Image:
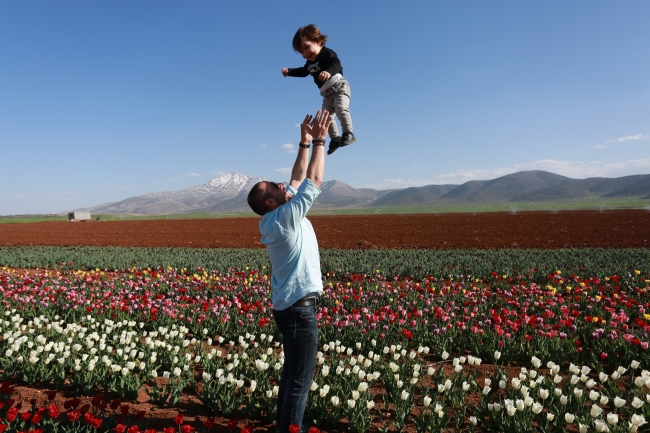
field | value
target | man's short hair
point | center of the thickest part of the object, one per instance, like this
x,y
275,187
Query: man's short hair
x,y
256,199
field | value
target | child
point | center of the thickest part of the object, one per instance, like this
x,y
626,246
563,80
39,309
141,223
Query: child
x,y
324,65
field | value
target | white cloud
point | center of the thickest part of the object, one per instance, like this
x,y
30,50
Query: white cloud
x,y
289,148
629,138
263,145
572,169
600,146
192,175
285,170
219,173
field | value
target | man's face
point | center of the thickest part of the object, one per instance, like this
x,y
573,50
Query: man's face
x,y
310,50
277,192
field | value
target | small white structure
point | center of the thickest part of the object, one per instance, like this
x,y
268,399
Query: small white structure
x,y
79,216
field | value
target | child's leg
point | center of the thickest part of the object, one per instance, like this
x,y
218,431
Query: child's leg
x,y
329,105
342,105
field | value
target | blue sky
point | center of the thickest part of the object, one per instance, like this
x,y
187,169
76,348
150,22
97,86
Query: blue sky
x,y
104,100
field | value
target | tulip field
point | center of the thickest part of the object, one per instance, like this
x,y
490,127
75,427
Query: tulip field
x,y
110,339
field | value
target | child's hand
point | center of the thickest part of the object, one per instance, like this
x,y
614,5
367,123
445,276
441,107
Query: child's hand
x,y
285,72
324,76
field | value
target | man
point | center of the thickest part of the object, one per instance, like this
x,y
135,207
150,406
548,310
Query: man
x,y
293,251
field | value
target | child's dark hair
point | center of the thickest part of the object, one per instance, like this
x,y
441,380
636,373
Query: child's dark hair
x,y
309,33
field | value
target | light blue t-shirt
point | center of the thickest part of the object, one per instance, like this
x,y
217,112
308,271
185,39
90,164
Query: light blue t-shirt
x,y
293,249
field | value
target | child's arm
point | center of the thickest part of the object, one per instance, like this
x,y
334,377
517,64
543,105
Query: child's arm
x,y
295,72
331,64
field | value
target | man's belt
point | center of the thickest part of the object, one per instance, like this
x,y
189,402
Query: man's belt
x,y
306,302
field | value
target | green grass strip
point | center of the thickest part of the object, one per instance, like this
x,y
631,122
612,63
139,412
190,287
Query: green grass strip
x,y
585,262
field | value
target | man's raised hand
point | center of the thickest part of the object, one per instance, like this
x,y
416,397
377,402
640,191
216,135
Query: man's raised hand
x,y
320,124
306,130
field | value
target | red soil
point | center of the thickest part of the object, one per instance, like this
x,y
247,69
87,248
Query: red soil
x,y
614,229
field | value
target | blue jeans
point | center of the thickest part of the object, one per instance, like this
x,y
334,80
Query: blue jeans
x,y
300,339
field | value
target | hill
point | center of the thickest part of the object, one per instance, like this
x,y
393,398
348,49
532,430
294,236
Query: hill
x,y
228,194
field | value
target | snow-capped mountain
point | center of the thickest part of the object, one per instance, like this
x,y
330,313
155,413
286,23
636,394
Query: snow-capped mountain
x,y
229,191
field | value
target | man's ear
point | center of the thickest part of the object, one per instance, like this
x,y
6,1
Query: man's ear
x,y
271,203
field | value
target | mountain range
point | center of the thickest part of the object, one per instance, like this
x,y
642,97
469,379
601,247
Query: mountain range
x,y
228,193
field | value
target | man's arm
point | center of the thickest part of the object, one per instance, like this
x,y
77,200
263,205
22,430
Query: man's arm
x,y
300,166
316,166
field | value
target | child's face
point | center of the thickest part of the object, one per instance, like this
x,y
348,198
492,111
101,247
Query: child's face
x,y
310,50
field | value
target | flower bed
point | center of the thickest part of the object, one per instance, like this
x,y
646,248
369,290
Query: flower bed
x,y
395,352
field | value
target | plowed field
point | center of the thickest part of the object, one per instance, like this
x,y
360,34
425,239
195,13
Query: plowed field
x,y
616,229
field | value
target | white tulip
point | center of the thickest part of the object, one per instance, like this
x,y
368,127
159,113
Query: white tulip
x,y
335,401
612,418
520,405
619,402
405,395
427,401
568,417
595,411
537,408
638,420
600,425
582,428
637,402
550,416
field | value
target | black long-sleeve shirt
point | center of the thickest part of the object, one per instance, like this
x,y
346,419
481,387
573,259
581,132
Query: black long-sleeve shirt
x,y
327,60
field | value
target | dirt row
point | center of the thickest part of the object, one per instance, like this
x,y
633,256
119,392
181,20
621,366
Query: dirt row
x,y
565,229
